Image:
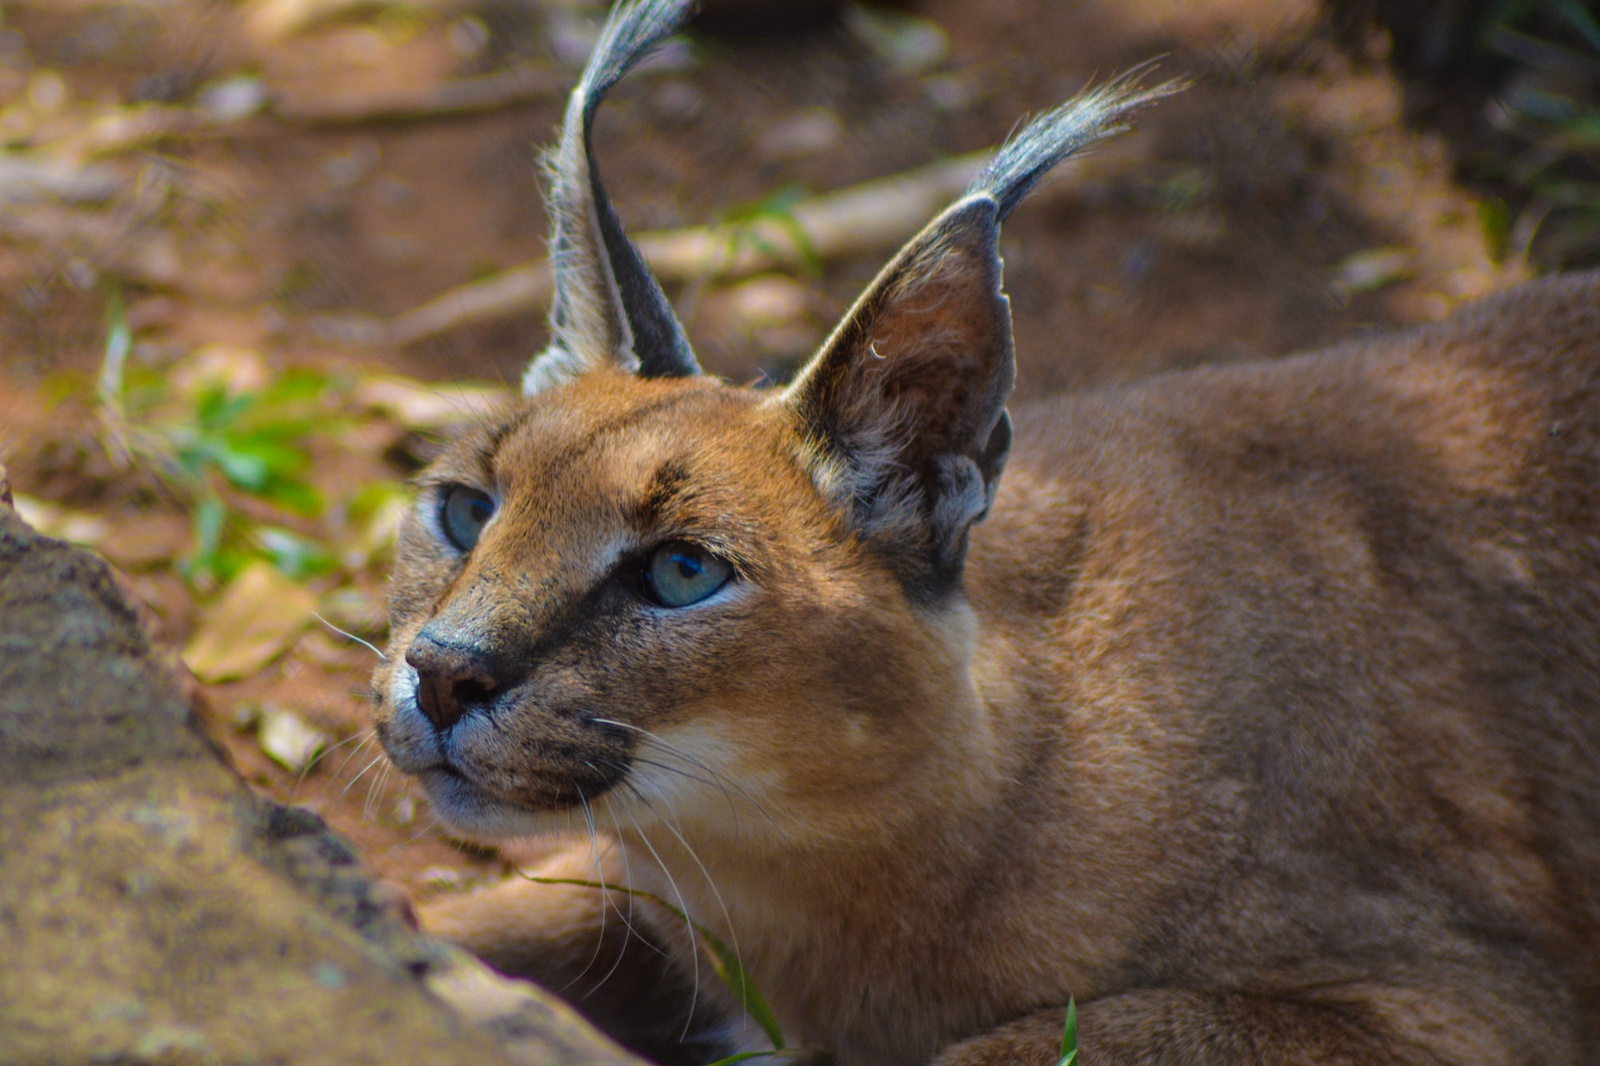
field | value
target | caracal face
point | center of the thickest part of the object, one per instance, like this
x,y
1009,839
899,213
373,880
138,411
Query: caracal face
x,y
543,666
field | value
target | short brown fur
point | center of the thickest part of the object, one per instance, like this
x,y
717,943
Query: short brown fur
x,y
1279,689
1260,712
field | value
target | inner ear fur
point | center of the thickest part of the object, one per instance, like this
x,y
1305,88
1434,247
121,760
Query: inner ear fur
x,y
904,407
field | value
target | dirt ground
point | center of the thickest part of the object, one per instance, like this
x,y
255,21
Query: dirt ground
x,y
1277,204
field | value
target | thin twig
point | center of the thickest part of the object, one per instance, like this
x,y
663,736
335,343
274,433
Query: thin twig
x,y
873,216
877,214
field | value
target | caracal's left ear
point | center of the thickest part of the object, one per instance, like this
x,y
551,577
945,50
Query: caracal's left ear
x,y
904,407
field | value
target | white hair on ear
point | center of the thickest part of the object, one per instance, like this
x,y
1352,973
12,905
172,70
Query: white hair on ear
x,y
552,367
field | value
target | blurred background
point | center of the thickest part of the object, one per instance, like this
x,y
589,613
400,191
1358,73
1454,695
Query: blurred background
x,y
257,256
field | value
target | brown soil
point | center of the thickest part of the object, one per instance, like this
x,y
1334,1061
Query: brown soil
x,y
1277,204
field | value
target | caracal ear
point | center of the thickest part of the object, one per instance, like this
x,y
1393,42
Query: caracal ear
x,y
904,407
608,307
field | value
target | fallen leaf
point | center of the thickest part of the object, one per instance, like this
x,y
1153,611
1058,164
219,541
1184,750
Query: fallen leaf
x,y
274,21
1373,269
288,739
234,98
64,523
237,369
373,522
257,619
444,877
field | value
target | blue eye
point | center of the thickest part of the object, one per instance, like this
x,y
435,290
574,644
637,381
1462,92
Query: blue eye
x,y
680,574
463,514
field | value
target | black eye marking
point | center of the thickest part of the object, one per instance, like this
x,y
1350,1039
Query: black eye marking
x,y
463,512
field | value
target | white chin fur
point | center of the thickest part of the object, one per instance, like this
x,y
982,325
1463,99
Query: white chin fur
x,y
472,814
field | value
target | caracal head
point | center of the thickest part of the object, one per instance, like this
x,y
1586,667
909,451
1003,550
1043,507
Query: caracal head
x,y
632,591
646,594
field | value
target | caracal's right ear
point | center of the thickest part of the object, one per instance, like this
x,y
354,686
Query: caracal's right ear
x,y
608,307
904,407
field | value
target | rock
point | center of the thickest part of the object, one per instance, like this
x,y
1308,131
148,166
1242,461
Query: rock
x,y
153,910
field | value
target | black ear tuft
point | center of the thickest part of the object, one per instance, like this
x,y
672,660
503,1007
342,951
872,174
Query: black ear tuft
x,y
608,306
904,407
1045,142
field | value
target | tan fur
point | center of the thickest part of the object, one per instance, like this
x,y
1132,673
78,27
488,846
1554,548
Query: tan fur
x,y
1257,711
1270,721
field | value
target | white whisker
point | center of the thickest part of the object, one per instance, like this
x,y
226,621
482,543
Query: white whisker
x,y
358,739
433,823
366,738
683,905
376,759
694,856
605,892
375,792
717,779
351,636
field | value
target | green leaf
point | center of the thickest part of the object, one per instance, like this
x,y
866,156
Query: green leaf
x,y
294,496
295,556
210,516
248,472
374,498
215,410
295,385
725,962
1069,1036
775,210
280,459
119,342
1494,220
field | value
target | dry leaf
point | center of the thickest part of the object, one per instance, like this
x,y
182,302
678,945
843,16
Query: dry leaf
x,y
64,523
274,21
1373,269
288,739
257,619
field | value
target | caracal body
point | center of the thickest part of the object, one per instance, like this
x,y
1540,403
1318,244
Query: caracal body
x,y
1257,710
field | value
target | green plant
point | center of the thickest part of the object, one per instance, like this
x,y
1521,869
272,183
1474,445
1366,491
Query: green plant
x,y
1069,1036
724,962
752,225
1550,108
237,457
726,965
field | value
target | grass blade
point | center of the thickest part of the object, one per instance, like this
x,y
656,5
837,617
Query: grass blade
x,y
724,960
1069,1036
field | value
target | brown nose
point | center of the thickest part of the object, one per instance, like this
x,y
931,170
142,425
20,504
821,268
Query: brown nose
x,y
453,677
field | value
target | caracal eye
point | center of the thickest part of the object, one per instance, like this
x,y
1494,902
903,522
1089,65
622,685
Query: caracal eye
x,y
680,573
464,513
